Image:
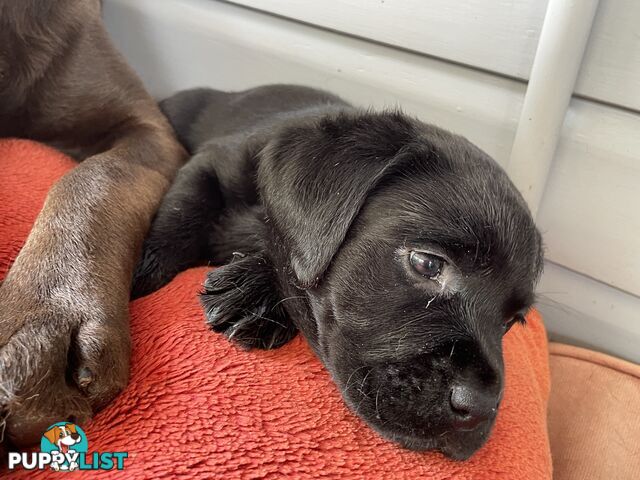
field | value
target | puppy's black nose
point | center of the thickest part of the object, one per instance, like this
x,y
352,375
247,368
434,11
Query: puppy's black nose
x,y
471,406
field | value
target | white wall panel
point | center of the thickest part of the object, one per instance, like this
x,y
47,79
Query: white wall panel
x,y
579,310
185,43
499,36
590,214
611,66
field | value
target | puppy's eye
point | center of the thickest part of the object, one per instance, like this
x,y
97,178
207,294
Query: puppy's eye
x,y
426,264
517,318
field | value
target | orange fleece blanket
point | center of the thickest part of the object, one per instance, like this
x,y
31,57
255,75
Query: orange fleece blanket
x,y
197,407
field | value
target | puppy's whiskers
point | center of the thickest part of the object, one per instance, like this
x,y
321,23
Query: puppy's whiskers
x,y
362,383
364,394
261,317
288,298
377,409
350,376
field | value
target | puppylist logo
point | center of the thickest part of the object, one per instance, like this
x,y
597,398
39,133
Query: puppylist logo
x,y
64,448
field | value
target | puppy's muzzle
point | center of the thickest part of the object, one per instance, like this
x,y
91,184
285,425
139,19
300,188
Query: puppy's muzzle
x,y
432,395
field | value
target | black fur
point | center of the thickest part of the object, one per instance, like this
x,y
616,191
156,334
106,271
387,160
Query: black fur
x,y
314,208
239,301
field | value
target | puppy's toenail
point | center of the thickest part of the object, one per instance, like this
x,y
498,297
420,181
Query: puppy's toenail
x,y
85,377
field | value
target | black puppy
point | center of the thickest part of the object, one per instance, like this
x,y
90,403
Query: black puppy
x,y
402,252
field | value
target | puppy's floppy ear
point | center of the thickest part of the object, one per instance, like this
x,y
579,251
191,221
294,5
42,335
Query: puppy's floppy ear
x,y
315,178
53,434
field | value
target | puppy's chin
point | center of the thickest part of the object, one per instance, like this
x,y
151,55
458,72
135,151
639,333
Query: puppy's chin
x,y
457,445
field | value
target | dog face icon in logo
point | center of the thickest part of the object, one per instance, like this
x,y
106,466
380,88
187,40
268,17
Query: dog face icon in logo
x,y
65,442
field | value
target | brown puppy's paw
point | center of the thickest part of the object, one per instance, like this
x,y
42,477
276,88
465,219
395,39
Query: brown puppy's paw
x,y
57,362
240,301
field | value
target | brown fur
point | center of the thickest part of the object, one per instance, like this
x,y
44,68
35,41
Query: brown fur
x,y
64,339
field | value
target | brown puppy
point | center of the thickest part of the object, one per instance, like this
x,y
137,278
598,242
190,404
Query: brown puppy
x,y
64,339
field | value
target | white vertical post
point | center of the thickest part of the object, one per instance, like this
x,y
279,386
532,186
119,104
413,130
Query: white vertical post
x,y
564,35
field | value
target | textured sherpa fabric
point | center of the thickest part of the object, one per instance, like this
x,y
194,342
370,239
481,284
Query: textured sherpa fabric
x,y
196,407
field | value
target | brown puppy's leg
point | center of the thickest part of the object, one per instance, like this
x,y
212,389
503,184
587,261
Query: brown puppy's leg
x,y
64,333
64,337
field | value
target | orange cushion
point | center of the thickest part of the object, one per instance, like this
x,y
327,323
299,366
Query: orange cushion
x,y
197,407
594,415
